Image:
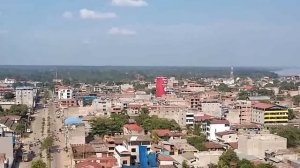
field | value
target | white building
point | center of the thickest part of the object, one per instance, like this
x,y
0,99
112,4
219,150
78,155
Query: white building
x,y
25,95
9,81
214,126
65,93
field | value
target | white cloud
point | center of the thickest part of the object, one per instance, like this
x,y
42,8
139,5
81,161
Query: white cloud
x,y
131,3
67,15
121,31
90,14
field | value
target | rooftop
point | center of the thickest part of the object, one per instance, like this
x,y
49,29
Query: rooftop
x,y
225,133
133,127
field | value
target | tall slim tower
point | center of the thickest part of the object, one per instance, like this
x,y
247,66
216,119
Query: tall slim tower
x,y
231,73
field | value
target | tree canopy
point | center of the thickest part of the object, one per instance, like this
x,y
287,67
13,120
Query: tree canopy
x,y
223,88
153,122
228,159
104,126
20,110
9,96
197,141
296,100
291,133
38,164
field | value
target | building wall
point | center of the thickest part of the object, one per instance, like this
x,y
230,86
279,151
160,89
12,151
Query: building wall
x,y
212,108
257,144
160,86
212,129
204,158
25,95
257,116
177,113
244,108
65,93
228,138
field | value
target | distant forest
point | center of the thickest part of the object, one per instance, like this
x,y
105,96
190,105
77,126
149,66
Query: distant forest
x,y
97,74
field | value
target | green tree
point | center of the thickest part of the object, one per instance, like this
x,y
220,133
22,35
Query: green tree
x,y
185,164
197,142
9,96
20,110
243,95
296,100
265,165
102,126
20,129
211,165
228,159
291,114
245,164
197,130
223,88
119,121
47,143
155,138
38,164
291,133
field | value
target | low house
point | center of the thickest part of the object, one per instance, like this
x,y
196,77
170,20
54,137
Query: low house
x,y
227,136
132,129
166,134
164,160
213,146
181,146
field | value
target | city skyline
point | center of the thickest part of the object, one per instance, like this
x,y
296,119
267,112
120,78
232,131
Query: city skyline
x,y
149,33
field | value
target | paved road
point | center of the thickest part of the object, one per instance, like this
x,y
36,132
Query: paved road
x,y
60,157
36,134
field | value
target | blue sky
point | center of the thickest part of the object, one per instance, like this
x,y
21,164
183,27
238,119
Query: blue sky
x,y
150,32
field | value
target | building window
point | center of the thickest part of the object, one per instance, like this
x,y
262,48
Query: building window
x,y
124,161
133,150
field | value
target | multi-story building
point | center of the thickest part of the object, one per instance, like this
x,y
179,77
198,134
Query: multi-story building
x,y
25,95
244,107
177,113
212,108
65,93
263,113
160,86
132,143
214,126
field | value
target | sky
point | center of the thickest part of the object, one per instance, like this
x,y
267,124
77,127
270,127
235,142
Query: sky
x,y
150,32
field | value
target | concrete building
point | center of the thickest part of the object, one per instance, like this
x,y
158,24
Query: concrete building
x,y
65,93
227,136
244,107
160,86
6,151
177,113
122,155
263,113
258,144
25,95
212,108
132,143
214,126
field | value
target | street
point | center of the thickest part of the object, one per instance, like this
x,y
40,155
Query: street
x,y
59,157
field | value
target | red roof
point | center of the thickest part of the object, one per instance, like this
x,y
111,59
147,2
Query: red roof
x,y
233,145
262,105
203,117
88,164
213,145
218,121
133,127
163,132
164,158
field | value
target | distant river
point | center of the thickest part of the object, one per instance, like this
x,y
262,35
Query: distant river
x,y
288,71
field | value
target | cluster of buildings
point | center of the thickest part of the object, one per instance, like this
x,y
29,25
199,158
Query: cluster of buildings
x,y
226,121
24,95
